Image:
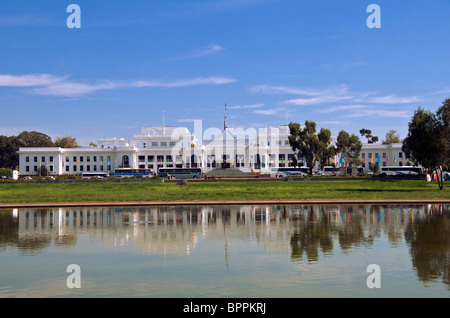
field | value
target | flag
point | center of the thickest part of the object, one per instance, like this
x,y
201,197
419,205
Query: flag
x,y
364,161
348,160
371,160
379,159
341,160
403,160
334,159
395,159
387,159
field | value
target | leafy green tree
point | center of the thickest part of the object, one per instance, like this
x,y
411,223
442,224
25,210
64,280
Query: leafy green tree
x,y
392,137
34,139
66,142
9,158
349,146
309,144
325,150
304,141
443,117
368,134
426,141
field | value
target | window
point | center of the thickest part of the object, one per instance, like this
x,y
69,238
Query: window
x,y
27,159
75,168
51,158
163,144
67,158
81,168
370,155
27,168
74,159
51,168
67,168
154,144
363,155
384,155
172,143
35,159
43,159
279,142
144,145
88,158
95,167
286,142
95,158
81,158
400,154
35,169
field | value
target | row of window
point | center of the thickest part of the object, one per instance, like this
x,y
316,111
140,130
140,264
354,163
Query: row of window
x,y
74,168
384,155
43,159
159,144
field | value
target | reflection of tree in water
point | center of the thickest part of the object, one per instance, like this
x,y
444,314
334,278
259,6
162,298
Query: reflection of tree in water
x,y
309,237
429,240
318,234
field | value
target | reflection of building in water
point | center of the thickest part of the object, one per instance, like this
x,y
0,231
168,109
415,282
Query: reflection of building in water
x,y
174,230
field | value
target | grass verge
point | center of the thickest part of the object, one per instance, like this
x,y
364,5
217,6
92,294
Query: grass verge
x,y
251,190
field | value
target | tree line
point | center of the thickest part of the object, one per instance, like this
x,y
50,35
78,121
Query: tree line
x,y
9,145
428,142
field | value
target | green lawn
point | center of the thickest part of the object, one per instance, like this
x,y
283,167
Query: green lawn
x,y
150,191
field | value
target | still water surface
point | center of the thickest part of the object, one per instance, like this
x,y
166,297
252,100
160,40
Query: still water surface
x,y
227,251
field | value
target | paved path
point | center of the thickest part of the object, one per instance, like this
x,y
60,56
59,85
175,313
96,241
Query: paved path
x,y
225,202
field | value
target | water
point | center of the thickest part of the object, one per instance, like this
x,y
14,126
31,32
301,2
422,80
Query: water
x,y
226,251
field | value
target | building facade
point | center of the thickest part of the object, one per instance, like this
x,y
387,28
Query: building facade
x,y
248,150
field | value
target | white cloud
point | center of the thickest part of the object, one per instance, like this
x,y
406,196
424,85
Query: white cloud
x,y
391,99
201,52
252,106
214,80
29,80
379,113
271,112
342,108
45,84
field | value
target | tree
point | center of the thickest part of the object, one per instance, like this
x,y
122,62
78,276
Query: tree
x,y
348,146
392,137
34,139
310,145
66,142
305,141
443,117
426,141
325,150
368,134
9,158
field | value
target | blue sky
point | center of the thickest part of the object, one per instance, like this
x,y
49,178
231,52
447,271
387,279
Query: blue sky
x,y
268,60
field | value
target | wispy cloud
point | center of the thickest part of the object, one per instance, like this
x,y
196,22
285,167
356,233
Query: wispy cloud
x,y
45,84
278,111
342,108
200,52
313,96
29,80
379,113
251,106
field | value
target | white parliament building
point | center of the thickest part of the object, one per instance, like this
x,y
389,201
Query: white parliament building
x,y
176,147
